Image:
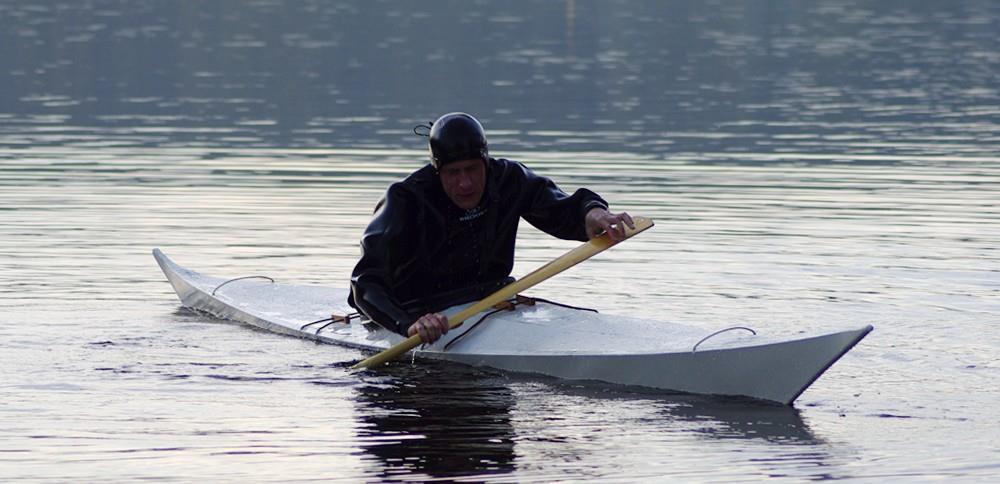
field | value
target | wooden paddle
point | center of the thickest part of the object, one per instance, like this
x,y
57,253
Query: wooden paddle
x,y
567,260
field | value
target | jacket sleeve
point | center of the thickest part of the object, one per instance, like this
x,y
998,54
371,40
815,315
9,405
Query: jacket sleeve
x,y
554,212
371,280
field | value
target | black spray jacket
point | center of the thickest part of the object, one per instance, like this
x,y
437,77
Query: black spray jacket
x,y
422,253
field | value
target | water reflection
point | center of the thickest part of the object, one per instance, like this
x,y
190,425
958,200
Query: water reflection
x,y
450,422
421,420
653,77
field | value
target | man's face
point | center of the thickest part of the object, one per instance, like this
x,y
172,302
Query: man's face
x,y
464,182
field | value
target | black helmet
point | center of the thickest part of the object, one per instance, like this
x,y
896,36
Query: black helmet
x,y
455,137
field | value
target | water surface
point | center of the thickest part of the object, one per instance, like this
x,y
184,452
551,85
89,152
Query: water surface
x,y
810,166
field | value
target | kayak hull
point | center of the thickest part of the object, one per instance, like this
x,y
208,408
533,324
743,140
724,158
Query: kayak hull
x,y
545,340
778,372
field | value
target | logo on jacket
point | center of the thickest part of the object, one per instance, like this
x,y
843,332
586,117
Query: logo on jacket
x,y
472,214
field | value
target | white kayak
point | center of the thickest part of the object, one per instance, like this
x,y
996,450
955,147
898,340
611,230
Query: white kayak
x,y
542,339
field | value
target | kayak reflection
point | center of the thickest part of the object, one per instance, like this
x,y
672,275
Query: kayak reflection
x,y
711,417
742,419
429,420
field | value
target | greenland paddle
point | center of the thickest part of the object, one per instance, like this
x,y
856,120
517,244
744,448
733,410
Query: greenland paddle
x,y
567,260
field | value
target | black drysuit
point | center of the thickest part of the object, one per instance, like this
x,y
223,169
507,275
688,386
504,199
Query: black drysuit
x,y
422,253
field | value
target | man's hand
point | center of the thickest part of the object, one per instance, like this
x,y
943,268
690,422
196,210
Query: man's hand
x,y
430,327
599,220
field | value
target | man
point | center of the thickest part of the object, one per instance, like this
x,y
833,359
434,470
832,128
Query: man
x,y
445,234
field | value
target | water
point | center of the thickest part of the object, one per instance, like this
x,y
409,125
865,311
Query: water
x,y
810,166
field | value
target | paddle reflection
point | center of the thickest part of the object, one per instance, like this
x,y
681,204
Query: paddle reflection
x,y
426,420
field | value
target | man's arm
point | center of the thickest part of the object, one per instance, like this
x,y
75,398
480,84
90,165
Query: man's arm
x,y
370,281
581,216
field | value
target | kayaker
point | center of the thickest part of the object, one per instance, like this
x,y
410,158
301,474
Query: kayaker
x,y
445,234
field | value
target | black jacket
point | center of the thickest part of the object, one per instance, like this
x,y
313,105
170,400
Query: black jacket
x,y
422,253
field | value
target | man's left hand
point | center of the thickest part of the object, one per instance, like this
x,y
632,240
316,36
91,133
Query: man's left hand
x,y
599,220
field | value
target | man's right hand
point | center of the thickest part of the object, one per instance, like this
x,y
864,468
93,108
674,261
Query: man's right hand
x,y
430,327
598,220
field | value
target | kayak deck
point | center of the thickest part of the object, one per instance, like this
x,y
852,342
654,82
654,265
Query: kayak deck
x,y
541,339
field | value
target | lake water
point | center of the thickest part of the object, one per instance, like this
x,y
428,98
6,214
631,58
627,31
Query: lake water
x,y
810,166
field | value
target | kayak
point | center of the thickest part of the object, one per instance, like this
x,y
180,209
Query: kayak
x,y
541,338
